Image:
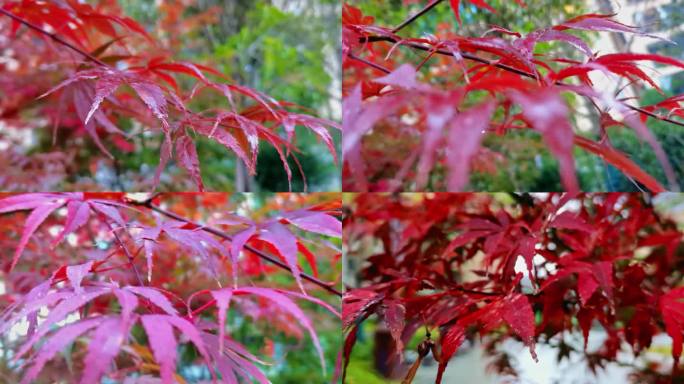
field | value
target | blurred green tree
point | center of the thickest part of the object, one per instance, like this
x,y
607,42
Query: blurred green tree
x,y
288,49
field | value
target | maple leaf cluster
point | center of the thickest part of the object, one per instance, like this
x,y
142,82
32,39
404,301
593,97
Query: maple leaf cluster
x,y
404,122
99,271
108,67
448,261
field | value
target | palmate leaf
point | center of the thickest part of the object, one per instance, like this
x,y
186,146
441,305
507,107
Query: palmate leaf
x,y
316,222
222,298
465,133
188,159
599,22
103,347
547,113
199,242
37,216
239,241
277,298
159,330
109,333
76,273
393,315
517,312
233,361
43,205
672,309
63,337
282,239
449,343
109,336
158,99
528,42
286,243
96,305
621,162
514,309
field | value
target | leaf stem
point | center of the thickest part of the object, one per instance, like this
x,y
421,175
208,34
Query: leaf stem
x,y
204,306
53,36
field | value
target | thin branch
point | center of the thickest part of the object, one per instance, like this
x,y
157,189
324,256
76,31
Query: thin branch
x,y
413,18
148,203
430,6
369,63
475,292
53,36
125,249
505,67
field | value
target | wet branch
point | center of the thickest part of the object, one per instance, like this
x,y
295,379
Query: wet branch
x,y
53,36
148,204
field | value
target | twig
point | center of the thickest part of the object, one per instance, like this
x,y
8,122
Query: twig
x,y
369,63
412,18
468,56
53,36
505,67
148,203
125,249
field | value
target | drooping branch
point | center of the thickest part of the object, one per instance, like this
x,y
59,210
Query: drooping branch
x,y
598,149
245,153
471,57
216,232
478,59
53,36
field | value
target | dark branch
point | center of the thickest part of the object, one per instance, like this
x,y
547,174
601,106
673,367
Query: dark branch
x,y
505,67
54,37
148,203
369,63
413,18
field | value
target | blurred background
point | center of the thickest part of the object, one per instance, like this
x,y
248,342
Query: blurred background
x,y
472,363
519,161
288,49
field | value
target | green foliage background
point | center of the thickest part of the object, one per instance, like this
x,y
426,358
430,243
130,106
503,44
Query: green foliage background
x,y
287,49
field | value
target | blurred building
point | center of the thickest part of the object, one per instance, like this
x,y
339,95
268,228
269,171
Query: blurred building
x,y
661,18
664,20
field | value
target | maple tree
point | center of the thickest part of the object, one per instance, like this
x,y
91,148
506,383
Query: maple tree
x,y
131,287
88,71
533,268
419,109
